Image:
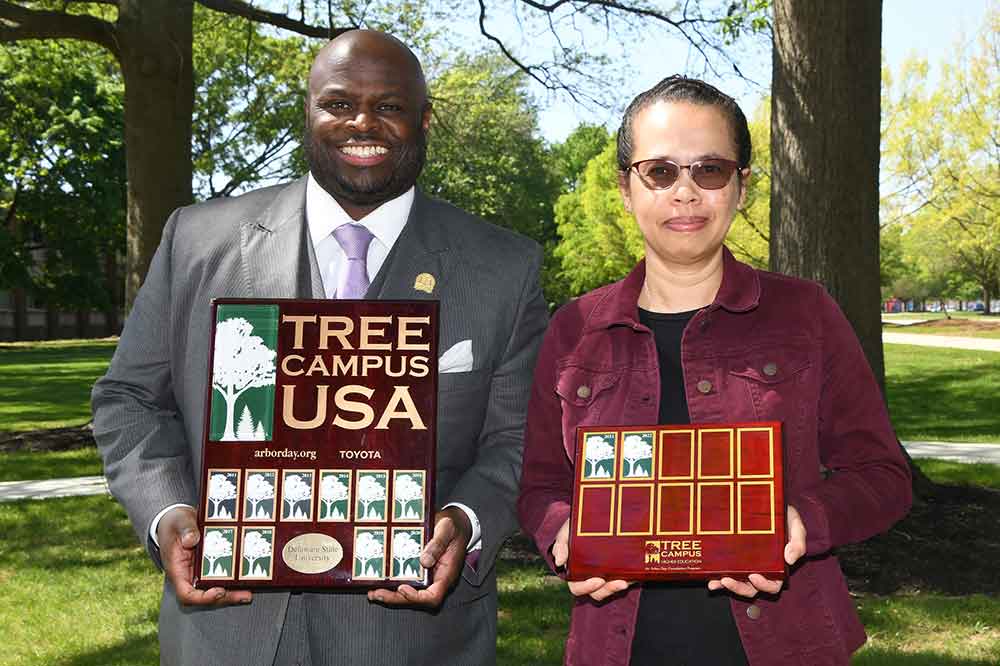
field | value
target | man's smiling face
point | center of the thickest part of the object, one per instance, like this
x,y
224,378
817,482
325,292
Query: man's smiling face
x,y
366,120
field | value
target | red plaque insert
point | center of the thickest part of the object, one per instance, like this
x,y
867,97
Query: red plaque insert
x,y
678,502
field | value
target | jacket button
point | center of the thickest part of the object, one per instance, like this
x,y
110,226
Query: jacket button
x,y
753,611
704,386
770,369
583,392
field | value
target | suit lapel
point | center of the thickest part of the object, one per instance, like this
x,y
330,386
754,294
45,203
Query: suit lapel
x,y
421,256
274,245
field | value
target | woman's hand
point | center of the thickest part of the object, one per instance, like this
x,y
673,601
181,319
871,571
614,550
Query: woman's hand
x,y
597,589
794,549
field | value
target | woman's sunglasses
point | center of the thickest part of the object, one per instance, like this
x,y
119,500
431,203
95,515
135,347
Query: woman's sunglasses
x,y
660,174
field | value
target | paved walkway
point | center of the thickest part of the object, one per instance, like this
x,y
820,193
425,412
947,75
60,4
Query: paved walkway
x,y
83,485
951,341
96,485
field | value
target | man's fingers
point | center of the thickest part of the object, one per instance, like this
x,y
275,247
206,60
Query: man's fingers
x,y
406,595
444,534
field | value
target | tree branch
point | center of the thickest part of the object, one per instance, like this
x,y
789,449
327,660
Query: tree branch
x,y
19,23
283,21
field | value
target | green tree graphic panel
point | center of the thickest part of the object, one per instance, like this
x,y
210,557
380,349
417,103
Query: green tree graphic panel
x,y
243,372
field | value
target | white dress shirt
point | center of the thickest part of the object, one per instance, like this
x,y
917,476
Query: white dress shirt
x,y
323,215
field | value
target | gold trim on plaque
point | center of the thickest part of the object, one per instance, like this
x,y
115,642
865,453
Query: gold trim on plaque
x,y
739,503
350,495
662,449
770,453
614,460
659,507
701,459
611,510
652,456
618,520
312,495
726,485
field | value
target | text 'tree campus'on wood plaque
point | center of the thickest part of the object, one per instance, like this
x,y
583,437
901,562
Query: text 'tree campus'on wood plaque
x,y
319,442
690,502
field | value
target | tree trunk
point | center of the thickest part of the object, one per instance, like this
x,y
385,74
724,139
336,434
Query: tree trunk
x,y
20,303
155,38
825,155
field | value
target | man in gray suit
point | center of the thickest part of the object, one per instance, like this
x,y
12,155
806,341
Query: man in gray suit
x,y
367,114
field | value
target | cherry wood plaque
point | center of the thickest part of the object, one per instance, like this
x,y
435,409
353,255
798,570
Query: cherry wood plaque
x,y
319,443
691,502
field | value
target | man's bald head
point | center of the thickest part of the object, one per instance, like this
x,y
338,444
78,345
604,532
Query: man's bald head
x,y
356,47
367,116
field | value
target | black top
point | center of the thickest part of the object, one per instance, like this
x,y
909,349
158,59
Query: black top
x,y
680,623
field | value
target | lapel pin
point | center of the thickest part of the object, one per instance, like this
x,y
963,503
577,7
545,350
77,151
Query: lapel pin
x,y
424,282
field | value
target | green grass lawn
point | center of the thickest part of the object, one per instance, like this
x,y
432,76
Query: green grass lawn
x,y
943,394
33,465
47,384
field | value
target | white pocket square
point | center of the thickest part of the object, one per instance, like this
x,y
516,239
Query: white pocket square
x,y
457,359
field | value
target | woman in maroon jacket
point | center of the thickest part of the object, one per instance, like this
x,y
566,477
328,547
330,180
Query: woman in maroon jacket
x,y
691,335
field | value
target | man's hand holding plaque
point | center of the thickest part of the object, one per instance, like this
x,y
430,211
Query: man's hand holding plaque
x,y
178,536
444,555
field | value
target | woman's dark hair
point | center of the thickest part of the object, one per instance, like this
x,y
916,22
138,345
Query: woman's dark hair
x,y
679,88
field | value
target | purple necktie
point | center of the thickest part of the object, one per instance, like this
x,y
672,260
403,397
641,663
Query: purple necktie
x,y
354,239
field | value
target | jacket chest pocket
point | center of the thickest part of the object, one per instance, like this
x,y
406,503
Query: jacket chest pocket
x,y
587,397
779,385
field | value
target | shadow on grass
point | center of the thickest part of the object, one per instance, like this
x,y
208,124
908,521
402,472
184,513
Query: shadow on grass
x,y
947,395
140,646
51,534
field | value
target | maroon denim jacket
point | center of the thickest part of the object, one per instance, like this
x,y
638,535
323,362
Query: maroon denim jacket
x,y
823,392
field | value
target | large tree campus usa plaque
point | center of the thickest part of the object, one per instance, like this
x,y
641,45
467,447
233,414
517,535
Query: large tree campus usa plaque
x,y
690,502
318,451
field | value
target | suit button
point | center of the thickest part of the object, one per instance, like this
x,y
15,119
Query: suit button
x,y
753,611
770,369
704,386
583,392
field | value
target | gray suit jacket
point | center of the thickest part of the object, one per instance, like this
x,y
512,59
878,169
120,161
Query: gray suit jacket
x,y
149,411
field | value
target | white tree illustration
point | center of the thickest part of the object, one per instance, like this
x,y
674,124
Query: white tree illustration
x,y
367,548
596,451
634,448
259,433
220,489
296,490
242,361
255,546
370,490
332,490
216,546
258,490
244,429
404,548
407,490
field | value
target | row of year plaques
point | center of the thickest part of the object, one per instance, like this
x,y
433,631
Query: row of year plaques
x,y
689,502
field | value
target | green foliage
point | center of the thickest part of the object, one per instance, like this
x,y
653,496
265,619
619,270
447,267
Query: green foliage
x,y
63,189
484,153
942,155
749,236
570,157
745,16
249,97
599,241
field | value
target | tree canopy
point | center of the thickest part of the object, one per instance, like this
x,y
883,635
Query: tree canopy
x,y
941,154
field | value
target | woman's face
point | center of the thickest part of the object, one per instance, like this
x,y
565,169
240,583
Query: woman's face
x,y
684,224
